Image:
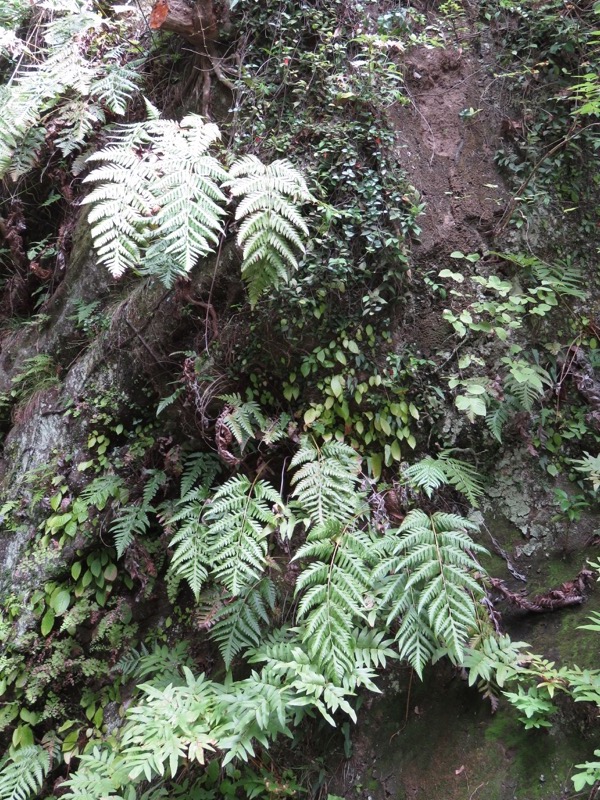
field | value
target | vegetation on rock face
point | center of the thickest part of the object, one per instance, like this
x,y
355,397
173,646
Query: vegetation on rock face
x,y
237,537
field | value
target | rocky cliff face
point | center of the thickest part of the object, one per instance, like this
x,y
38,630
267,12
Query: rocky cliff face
x,y
455,249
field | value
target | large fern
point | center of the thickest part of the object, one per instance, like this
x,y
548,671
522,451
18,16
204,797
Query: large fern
x,y
157,198
427,573
272,229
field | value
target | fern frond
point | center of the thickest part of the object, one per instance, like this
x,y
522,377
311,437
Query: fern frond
x,y
98,492
272,229
326,481
200,468
430,473
245,419
169,725
427,474
100,775
190,559
333,593
239,518
118,84
416,641
497,419
433,557
22,772
240,622
463,476
162,202
130,522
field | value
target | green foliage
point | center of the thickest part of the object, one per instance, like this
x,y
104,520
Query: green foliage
x,y
430,473
427,571
22,772
271,226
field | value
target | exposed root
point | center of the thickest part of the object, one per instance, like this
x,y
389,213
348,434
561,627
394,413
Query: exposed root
x,y
570,593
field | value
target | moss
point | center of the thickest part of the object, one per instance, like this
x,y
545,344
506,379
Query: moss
x,y
540,760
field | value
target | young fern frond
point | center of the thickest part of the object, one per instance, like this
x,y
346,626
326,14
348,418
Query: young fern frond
x,y
244,420
497,419
200,468
22,772
101,489
272,229
134,520
427,573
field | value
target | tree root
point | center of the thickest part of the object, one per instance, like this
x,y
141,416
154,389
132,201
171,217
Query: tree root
x,y
570,593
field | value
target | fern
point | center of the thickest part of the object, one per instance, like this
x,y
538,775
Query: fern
x,y
244,420
22,772
198,467
526,382
285,658
100,774
167,726
134,520
190,559
427,576
98,492
430,473
163,664
497,419
272,228
326,483
333,593
239,519
240,621
157,196
589,467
